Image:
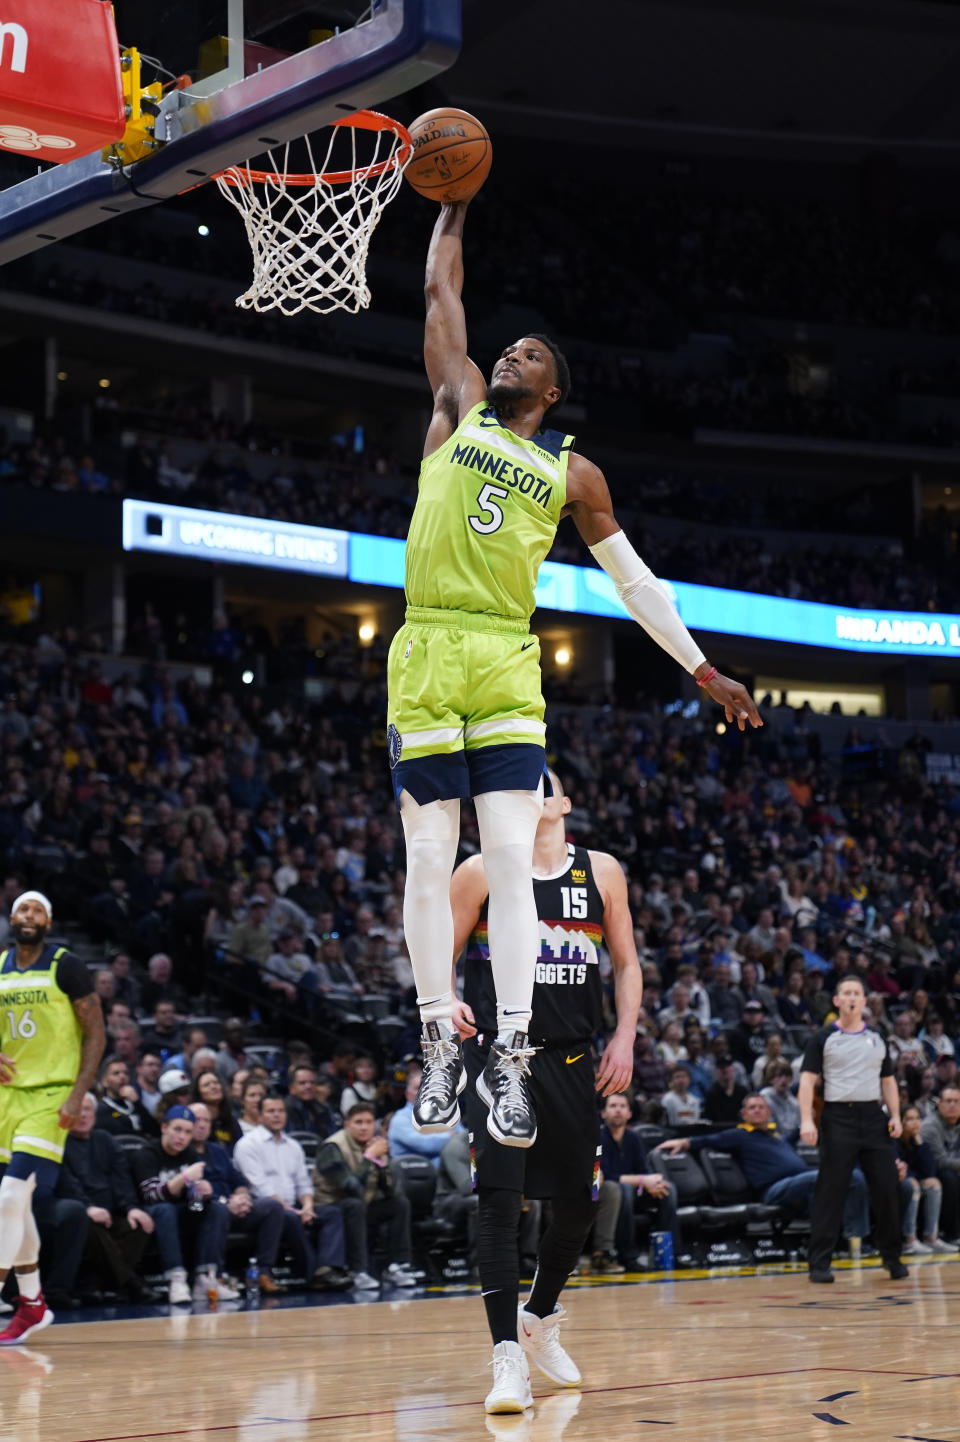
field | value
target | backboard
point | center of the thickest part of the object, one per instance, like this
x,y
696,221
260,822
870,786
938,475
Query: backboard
x,y
260,72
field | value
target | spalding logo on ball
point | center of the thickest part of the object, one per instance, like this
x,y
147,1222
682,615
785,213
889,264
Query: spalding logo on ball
x,y
451,155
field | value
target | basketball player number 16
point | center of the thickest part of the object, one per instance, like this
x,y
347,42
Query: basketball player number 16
x,y
574,900
489,507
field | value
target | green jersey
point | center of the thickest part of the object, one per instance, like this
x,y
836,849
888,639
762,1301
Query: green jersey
x,y
487,510
39,1029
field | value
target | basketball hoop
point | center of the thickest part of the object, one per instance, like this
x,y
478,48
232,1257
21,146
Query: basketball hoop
x,y
310,232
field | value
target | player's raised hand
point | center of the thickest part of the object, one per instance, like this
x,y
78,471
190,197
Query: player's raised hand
x,y
8,1069
615,1072
738,705
463,1019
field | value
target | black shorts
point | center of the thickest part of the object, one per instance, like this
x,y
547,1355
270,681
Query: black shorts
x,y
565,1158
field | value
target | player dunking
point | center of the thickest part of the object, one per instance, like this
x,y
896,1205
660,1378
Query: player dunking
x,y
581,899
465,710
52,1042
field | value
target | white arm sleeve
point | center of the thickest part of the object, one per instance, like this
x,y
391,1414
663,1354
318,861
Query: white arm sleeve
x,y
646,600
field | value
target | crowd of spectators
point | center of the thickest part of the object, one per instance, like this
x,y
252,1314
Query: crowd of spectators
x,y
370,493
212,852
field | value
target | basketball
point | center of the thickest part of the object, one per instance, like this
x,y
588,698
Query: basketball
x,y
451,155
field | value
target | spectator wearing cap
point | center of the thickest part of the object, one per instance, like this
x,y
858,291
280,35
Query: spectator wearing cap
x,y
275,1166
120,1110
174,1091
747,1040
261,1219
724,1098
169,1175
305,1111
163,1032
119,1227
290,972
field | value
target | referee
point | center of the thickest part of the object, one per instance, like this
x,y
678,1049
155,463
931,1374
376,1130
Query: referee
x,y
857,1076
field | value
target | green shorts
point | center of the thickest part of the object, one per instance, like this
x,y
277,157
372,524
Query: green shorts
x,y
29,1122
464,708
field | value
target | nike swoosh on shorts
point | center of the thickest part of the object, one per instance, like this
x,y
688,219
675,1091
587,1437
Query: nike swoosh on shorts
x,y
572,1059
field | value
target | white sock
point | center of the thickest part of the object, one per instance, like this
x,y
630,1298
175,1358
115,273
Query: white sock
x,y
508,822
29,1284
432,835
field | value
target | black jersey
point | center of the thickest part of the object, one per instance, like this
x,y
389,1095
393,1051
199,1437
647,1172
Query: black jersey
x,y
567,994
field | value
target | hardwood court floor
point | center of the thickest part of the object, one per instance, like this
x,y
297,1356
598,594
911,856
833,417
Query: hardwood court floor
x,y
762,1357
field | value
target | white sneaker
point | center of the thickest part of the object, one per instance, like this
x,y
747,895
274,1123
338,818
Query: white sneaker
x,y
511,1380
363,1282
940,1246
179,1291
538,1336
916,1249
398,1274
226,1293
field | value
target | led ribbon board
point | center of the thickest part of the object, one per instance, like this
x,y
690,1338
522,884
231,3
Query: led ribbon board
x,y
238,540
580,590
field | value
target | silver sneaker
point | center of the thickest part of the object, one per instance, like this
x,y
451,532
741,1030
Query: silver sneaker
x,y
503,1087
444,1078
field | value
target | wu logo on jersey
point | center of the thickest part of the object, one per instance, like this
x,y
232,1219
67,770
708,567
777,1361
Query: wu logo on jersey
x,y
578,875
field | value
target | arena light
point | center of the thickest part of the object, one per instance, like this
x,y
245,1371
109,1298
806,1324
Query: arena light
x,y
563,655
203,230
247,678
104,383
366,632
61,375
721,728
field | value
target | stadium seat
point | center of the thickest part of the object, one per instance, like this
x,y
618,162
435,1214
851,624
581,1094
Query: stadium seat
x,y
728,1185
435,1239
652,1135
310,1143
684,1171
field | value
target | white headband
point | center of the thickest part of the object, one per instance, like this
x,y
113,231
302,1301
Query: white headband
x,y
33,896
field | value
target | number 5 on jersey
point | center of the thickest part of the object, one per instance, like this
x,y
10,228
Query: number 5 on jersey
x,y
488,507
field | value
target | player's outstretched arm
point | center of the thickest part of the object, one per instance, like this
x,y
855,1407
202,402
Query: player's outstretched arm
x,y
591,509
468,892
615,1072
456,382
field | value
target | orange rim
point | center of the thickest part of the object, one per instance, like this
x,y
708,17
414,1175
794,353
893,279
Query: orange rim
x,y
239,175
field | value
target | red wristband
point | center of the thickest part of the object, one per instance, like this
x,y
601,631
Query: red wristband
x,y
707,677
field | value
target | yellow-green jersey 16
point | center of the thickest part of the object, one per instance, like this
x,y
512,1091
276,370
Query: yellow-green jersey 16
x,y
39,1029
487,510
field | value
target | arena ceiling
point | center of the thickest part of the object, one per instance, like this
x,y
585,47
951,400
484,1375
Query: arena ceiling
x,y
737,74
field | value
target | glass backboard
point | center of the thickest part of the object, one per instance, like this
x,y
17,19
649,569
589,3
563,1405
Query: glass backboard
x,y
260,72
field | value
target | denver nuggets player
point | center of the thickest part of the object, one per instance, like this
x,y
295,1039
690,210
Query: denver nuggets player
x,y
465,712
581,899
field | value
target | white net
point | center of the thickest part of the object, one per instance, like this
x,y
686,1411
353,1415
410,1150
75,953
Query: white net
x,y
310,232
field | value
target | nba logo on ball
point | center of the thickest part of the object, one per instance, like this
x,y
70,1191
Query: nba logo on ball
x,y
394,745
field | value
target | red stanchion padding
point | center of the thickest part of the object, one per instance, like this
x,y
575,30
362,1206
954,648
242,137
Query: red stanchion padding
x,y
61,94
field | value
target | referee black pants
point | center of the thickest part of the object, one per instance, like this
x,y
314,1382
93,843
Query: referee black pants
x,y
854,1134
